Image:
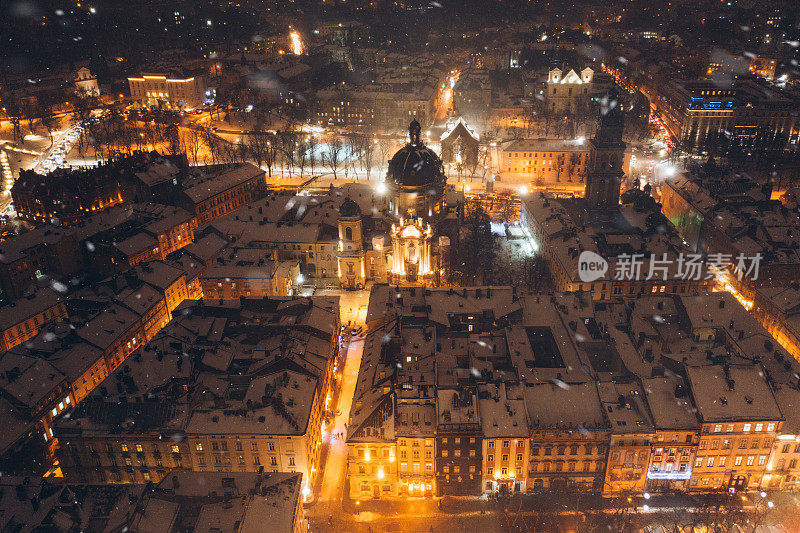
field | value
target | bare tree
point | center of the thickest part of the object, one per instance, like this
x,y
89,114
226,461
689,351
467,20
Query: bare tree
x,y
352,152
332,155
13,110
385,147
241,148
262,113
367,152
288,149
95,141
30,109
213,143
271,153
49,122
312,152
302,157
192,141
256,144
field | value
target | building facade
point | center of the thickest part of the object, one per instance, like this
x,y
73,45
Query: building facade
x,y
458,443
569,92
170,91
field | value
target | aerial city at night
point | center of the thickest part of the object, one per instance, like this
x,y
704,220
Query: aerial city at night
x,y
389,266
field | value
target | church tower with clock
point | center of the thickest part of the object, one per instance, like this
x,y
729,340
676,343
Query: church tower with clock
x,y
604,173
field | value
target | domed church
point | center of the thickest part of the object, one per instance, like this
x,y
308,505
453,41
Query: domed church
x,y
416,182
405,238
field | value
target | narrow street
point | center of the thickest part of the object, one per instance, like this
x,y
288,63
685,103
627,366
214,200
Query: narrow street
x,y
336,462
353,312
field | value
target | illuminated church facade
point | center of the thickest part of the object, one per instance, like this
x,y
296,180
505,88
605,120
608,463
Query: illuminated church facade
x,y
415,248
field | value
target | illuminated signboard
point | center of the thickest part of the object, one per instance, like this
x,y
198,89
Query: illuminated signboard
x,y
670,475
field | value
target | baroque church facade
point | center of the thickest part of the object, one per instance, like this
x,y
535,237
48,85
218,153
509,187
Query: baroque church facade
x,y
419,221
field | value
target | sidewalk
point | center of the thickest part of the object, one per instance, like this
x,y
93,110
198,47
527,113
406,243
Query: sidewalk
x,y
535,502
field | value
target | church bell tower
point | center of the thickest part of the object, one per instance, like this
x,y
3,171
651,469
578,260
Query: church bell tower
x,y
604,174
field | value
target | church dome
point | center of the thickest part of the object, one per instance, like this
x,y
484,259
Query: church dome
x,y
415,165
349,208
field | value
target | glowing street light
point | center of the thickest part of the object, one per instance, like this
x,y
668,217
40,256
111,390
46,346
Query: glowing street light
x,y
380,188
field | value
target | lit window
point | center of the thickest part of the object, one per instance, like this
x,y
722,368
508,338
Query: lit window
x,y
746,428
124,447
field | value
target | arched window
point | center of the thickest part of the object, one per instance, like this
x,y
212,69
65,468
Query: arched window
x,y
348,233
412,253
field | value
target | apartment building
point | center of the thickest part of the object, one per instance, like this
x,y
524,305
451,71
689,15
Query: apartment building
x,y
569,437
739,420
268,418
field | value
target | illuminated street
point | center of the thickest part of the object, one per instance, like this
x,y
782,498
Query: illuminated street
x,y
333,479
